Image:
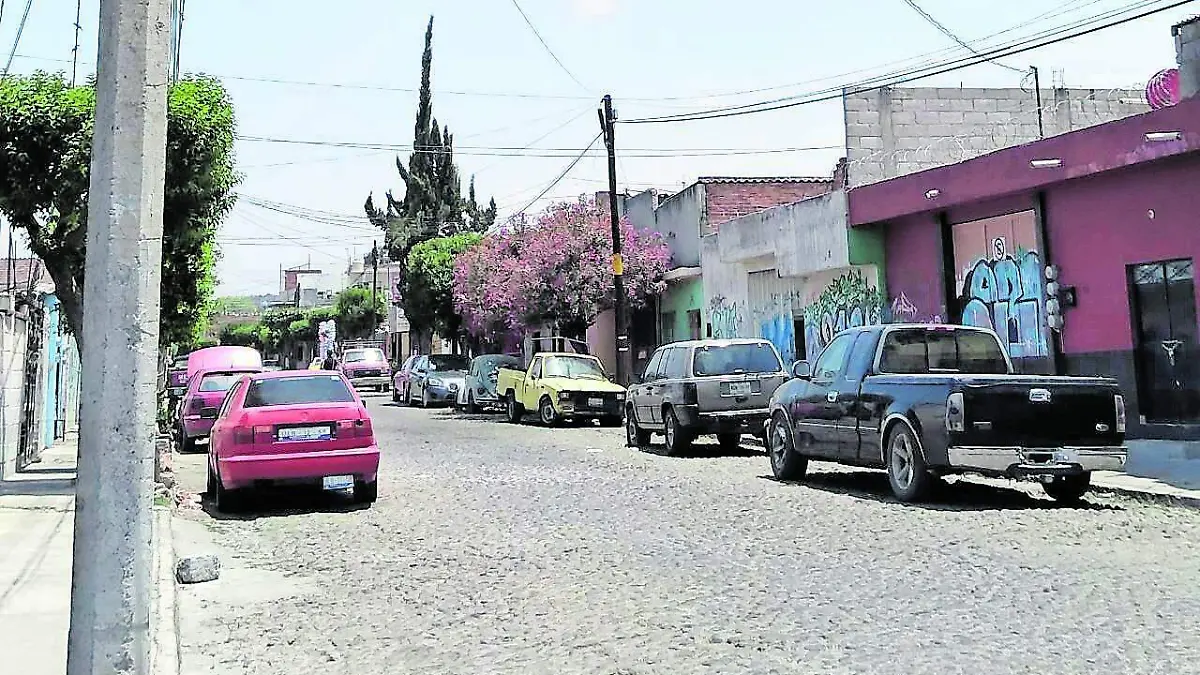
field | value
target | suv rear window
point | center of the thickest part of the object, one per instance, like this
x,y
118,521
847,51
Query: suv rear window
x,y
736,359
219,381
920,350
297,391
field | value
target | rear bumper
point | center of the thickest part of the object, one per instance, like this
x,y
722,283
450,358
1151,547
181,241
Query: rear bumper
x,y
245,470
751,421
1015,461
371,381
197,427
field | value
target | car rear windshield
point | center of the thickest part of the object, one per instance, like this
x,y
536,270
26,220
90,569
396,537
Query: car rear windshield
x,y
444,362
922,350
297,390
736,359
356,355
219,381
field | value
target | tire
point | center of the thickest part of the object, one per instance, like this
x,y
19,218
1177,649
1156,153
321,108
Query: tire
x,y
786,463
907,472
395,396
211,490
424,397
546,414
730,441
635,436
1069,489
366,493
187,446
679,440
226,500
472,408
513,410
408,400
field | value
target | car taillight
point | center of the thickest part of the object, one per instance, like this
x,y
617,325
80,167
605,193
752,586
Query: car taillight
x,y
1119,402
956,413
690,396
355,429
252,435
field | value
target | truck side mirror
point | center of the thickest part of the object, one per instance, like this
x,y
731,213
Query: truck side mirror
x,y
801,370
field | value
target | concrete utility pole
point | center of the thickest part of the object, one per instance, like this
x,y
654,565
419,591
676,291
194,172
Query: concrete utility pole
x,y
111,586
621,321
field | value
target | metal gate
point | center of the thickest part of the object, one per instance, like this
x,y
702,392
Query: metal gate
x,y
29,449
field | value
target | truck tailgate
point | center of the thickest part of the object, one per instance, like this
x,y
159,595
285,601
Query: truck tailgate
x,y
1040,412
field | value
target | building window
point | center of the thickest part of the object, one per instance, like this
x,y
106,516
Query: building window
x,y
667,330
694,324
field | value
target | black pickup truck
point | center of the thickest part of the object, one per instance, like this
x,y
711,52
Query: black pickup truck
x,y
923,401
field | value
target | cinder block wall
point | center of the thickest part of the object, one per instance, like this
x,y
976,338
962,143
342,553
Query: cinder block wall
x,y
894,132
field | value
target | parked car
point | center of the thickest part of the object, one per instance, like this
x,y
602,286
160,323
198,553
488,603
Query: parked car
x,y
367,368
401,379
177,377
698,387
436,379
292,426
206,390
271,365
562,386
479,387
924,401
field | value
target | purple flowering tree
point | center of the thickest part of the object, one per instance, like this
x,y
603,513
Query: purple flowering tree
x,y
556,269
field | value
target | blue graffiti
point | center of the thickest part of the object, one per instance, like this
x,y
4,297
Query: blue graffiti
x,y
1006,295
781,332
726,318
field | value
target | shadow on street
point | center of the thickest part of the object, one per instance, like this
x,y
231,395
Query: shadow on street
x,y
956,495
283,502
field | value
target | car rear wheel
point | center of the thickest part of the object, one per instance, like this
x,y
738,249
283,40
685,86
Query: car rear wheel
x,y
472,408
424,397
730,441
907,472
1068,489
395,395
635,436
187,445
786,462
515,411
366,493
546,413
679,439
227,501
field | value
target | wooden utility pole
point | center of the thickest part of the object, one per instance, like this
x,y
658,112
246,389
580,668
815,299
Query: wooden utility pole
x,y
624,361
374,286
111,581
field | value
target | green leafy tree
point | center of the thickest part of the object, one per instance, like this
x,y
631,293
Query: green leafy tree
x,y
431,281
355,316
45,152
433,205
247,334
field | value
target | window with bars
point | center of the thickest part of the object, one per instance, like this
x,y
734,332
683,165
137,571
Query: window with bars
x,y
667,321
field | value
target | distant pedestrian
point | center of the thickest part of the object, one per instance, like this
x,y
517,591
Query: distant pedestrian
x,y
330,362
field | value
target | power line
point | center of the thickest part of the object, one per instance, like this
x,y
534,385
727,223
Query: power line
x,y
950,34
548,49
916,74
557,179
20,30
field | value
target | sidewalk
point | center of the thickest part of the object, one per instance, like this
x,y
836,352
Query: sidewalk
x,y
37,522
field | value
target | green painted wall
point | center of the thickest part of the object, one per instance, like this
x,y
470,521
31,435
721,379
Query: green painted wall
x,y
680,298
867,247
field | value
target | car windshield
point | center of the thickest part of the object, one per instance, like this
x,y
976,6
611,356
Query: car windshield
x,y
575,367
941,350
298,390
445,362
736,359
219,381
357,355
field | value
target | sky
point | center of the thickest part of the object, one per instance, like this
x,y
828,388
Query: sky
x,y
312,78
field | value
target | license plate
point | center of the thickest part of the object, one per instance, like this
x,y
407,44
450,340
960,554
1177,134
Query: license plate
x,y
596,402
739,388
337,482
305,434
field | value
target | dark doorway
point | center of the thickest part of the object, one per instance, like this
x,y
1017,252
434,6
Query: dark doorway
x,y
798,332
1163,299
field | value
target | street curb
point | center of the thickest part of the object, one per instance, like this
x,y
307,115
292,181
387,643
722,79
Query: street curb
x,y
164,613
1170,500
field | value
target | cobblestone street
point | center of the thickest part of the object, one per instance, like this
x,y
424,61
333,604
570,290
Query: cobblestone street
x,y
503,549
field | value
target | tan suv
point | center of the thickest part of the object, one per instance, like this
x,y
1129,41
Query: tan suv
x,y
699,387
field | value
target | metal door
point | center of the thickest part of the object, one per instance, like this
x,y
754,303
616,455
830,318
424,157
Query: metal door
x,y
29,449
1168,358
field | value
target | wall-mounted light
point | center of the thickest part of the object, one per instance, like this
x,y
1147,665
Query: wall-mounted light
x,y
1045,163
1160,136
932,194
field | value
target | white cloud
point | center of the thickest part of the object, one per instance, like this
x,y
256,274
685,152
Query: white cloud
x,y
596,8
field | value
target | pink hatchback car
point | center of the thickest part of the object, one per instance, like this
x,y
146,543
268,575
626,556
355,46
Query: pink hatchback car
x,y
292,427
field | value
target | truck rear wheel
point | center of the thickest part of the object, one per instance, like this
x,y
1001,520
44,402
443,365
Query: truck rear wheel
x,y
907,472
1069,489
786,463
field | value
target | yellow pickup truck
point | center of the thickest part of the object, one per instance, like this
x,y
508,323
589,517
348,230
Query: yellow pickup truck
x,y
562,386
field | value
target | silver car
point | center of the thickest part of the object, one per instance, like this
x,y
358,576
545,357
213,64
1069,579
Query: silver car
x,y
699,387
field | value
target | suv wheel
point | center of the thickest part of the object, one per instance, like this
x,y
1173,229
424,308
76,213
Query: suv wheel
x,y
635,436
679,439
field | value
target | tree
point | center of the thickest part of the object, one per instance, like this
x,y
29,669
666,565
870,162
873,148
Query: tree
x,y
246,334
431,281
556,270
45,153
354,314
433,205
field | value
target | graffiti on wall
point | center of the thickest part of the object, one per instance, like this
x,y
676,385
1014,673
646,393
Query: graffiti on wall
x,y
725,316
1006,295
904,310
848,301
